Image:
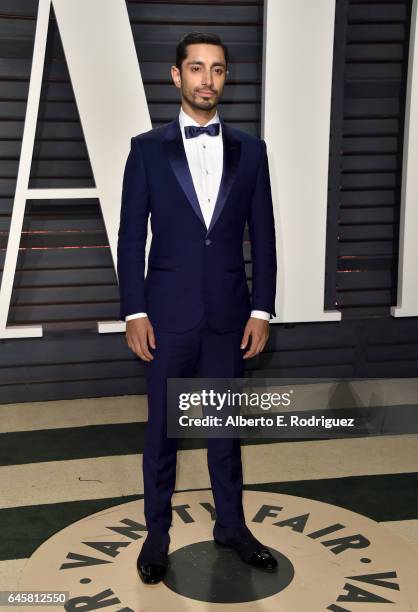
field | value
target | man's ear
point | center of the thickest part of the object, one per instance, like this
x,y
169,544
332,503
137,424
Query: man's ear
x,y
176,76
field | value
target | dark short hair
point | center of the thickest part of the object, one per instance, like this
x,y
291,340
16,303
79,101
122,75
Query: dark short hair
x,y
195,38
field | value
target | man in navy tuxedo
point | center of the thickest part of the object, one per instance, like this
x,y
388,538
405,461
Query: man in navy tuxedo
x,y
201,180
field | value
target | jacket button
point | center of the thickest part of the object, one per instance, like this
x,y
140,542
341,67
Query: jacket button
x,y
208,242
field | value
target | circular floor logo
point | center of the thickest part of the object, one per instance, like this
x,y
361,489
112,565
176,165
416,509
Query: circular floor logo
x,y
329,559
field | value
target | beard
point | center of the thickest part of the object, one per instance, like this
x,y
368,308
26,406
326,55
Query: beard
x,y
197,102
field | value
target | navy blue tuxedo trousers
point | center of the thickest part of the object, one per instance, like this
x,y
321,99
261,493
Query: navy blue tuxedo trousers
x,y
200,352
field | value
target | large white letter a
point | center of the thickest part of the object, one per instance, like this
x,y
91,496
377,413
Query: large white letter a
x,y
112,106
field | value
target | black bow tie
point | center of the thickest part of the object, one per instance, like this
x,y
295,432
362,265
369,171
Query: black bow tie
x,y
191,131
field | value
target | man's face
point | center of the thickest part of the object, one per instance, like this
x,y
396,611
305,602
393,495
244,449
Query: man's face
x,y
202,76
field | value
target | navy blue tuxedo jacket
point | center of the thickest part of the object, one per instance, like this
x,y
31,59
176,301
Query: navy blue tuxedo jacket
x,y
193,270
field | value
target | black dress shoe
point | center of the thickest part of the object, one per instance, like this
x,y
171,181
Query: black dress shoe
x,y
151,573
246,545
152,561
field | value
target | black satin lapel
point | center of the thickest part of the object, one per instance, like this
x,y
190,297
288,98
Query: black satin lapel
x,y
173,142
232,154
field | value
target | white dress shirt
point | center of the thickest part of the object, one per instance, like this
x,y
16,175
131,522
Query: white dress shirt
x,y
205,158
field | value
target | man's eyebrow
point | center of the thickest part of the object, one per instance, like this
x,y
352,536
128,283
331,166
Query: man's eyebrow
x,y
203,63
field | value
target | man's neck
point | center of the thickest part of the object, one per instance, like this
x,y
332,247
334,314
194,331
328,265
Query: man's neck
x,y
199,115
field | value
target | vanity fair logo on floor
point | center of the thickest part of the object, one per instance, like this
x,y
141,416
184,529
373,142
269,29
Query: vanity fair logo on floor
x,y
329,559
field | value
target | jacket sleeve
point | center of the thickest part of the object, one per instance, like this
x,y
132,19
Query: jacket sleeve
x,y
263,239
132,234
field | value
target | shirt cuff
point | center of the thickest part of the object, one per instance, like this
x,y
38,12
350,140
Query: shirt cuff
x,y
260,314
136,315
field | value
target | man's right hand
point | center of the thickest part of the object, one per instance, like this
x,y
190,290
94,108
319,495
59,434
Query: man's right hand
x,y
140,333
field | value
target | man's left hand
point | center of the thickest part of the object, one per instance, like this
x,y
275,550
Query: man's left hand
x,y
258,330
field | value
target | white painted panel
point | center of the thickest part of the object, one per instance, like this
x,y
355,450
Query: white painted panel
x,y
407,299
298,53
